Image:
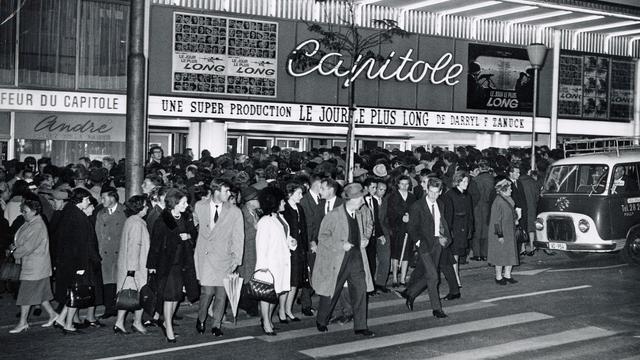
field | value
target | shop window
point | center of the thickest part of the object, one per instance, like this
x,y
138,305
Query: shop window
x,y
7,42
47,51
104,28
261,143
289,144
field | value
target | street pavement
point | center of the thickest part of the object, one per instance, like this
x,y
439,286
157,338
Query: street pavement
x,y
561,308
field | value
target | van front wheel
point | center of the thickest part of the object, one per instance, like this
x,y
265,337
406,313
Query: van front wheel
x,y
631,251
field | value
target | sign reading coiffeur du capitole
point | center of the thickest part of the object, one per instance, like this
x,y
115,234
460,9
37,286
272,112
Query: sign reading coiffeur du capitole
x,y
324,115
73,102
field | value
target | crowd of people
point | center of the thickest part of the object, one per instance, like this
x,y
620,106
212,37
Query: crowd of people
x,y
282,217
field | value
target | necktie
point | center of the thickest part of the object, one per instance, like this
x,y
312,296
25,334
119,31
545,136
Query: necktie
x,y
433,211
317,199
215,216
326,209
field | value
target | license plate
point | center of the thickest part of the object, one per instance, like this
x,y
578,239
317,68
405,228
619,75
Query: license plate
x,y
557,246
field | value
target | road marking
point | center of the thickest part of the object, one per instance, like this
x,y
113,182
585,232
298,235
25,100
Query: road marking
x,y
312,331
530,272
426,334
530,344
178,348
590,268
536,293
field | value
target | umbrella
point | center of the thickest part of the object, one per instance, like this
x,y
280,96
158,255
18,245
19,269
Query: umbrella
x,y
233,285
404,246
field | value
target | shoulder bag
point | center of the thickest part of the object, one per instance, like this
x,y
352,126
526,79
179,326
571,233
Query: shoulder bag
x,y
262,290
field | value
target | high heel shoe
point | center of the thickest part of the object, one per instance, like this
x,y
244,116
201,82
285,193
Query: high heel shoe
x,y
269,333
142,331
19,329
119,331
200,328
164,332
293,318
285,321
50,323
262,325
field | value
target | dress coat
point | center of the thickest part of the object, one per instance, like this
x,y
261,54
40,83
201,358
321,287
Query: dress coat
x,y
109,231
396,208
272,252
421,228
313,214
458,213
334,233
484,183
297,229
134,249
219,248
77,249
32,250
248,266
531,193
502,223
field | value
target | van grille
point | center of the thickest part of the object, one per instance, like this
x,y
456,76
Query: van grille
x,y
560,228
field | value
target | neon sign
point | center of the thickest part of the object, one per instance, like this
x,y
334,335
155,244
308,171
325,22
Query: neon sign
x,y
442,71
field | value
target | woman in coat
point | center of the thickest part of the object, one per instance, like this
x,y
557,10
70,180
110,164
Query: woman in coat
x,y
458,212
77,254
273,243
398,203
503,251
31,249
171,254
250,216
294,215
132,258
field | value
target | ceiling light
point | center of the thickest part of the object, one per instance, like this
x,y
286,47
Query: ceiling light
x,y
514,10
607,26
422,4
470,7
570,8
572,21
540,16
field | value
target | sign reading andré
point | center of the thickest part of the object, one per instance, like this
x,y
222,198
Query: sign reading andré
x,y
44,126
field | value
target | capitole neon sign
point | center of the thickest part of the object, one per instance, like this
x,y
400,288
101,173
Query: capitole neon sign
x,y
443,71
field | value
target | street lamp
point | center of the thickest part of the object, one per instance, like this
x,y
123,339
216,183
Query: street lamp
x,y
536,53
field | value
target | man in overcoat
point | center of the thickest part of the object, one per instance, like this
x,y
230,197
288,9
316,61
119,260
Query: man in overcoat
x,y
219,250
429,231
109,223
313,208
341,257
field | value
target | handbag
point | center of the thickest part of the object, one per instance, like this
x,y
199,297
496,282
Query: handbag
x,y
9,270
148,296
262,290
81,294
128,299
521,236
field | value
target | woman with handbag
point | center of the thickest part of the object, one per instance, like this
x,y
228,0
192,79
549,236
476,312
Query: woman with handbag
x,y
294,215
132,260
169,254
273,259
31,249
76,259
502,250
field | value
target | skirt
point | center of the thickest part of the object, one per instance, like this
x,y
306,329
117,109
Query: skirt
x,y
173,284
34,292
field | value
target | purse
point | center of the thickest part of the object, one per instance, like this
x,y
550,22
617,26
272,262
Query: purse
x,y
521,236
148,295
9,270
128,299
81,294
262,290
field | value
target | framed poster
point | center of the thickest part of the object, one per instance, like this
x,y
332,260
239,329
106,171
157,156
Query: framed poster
x,y
499,78
595,87
222,55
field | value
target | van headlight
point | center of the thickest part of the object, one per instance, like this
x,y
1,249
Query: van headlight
x,y
539,224
583,225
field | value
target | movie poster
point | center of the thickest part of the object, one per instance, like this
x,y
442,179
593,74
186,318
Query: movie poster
x,y
221,55
595,87
570,87
499,78
622,76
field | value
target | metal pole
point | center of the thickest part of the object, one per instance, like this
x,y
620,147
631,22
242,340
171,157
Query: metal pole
x,y
136,100
351,135
533,121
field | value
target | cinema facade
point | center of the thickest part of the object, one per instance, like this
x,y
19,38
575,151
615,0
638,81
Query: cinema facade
x,y
221,76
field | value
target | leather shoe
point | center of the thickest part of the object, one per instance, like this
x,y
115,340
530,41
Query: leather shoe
x,y
321,328
346,319
510,280
200,326
337,319
439,314
475,258
502,281
216,331
410,300
308,312
452,296
365,332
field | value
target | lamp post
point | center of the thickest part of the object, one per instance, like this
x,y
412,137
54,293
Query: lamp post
x,y
536,53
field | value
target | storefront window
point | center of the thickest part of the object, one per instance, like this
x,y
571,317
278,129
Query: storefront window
x,y
63,152
104,28
7,42
47,52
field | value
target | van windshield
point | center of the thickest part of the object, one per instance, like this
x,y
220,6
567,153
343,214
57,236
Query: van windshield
x,y
576,179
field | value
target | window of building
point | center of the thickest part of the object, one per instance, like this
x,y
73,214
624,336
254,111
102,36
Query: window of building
x,y
47,51
104,29
7,41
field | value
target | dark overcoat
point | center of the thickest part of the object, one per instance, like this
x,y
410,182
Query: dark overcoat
x,y
458,213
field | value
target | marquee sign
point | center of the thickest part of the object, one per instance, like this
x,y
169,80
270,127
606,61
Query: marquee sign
x,y
326,115
442,71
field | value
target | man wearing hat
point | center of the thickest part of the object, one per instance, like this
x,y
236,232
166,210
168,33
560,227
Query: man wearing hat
x,y
380,170
343,236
